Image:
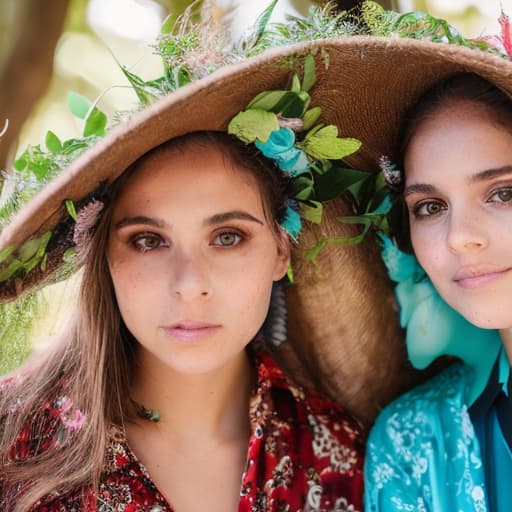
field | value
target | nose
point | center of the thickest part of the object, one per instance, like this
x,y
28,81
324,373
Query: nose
x,y
191,278
466,232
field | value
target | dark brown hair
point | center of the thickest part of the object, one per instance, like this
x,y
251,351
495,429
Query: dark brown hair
x,y
466,87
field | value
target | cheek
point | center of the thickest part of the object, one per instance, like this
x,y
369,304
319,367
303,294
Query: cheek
x,y
131,294
247,290
427,251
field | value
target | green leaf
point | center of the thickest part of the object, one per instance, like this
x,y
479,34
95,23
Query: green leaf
x,y
309,78
313,130
267,100
262,20
10,270
5,253
28,250
40,253
69,255
312,211
78,104
336,181
95,123
44,262
254,124
303,187
53,142
34,248
71,145
146,93
70,207
40,167
21,162
289,274
311,117
295,84
292,104
325,143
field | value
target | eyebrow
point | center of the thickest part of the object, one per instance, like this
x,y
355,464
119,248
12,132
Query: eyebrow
x,y
419,188
218,218
491,173
140,219
488,174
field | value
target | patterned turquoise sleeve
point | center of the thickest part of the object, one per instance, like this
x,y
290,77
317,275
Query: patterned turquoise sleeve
x,y
423,454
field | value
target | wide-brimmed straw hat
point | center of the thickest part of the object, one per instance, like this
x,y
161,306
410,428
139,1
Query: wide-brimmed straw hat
x,y
343,331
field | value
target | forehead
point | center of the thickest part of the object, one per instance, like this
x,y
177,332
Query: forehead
x,y
188,175
458,135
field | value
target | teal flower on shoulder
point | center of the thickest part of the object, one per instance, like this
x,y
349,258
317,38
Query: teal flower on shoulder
x,y
280,146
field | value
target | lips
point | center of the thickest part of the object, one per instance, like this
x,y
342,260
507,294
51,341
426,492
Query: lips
x,y
187,331
477,277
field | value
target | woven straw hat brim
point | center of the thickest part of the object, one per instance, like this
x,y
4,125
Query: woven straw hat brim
x,y
343,323
364,86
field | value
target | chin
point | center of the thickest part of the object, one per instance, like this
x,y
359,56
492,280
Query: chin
x,y
490,321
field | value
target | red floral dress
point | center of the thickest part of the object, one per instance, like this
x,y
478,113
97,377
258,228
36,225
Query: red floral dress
x,y
304,455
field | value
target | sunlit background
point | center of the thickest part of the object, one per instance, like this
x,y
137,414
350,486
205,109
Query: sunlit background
x,y
48,48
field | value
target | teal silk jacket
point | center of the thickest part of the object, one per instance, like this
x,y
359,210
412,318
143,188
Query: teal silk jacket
x,y
423,453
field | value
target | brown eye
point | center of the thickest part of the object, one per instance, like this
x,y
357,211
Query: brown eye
x,y
147,242
504,195
428,209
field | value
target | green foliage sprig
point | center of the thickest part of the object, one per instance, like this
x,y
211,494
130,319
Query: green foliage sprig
x,y
16,320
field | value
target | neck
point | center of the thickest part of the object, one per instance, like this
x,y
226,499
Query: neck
x,y
211,405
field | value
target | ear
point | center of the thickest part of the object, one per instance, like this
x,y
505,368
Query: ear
x,y
283,254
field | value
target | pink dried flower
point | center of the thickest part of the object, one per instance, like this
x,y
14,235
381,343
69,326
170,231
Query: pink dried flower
x,y
293,123
74,421
87,218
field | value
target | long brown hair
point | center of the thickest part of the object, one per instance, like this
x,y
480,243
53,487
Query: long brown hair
x,y
92,364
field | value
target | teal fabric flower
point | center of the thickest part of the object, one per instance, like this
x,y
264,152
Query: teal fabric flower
x,y
433,327
400,265
291,222
280,146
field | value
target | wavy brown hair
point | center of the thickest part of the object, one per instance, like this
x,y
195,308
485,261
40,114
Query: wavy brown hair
x,y
93,362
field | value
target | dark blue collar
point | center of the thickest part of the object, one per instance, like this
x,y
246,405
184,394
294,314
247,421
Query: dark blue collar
x,y
494,398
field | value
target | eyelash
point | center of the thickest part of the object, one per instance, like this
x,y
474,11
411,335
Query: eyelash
x,y
239,237
136,239
418,206
499,191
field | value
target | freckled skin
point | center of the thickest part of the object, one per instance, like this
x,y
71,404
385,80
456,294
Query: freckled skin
x,y
461,228
180,271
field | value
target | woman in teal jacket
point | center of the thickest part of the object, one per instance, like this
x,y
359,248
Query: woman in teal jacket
x,y
446,445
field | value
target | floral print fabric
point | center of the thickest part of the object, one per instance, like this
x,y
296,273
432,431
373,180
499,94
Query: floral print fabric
x,y
304,455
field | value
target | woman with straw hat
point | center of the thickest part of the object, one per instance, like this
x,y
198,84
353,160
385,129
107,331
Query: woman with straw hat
x,y
161,396
447,444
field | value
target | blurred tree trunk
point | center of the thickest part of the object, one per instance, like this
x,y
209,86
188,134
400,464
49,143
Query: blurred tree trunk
x,y
29,31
